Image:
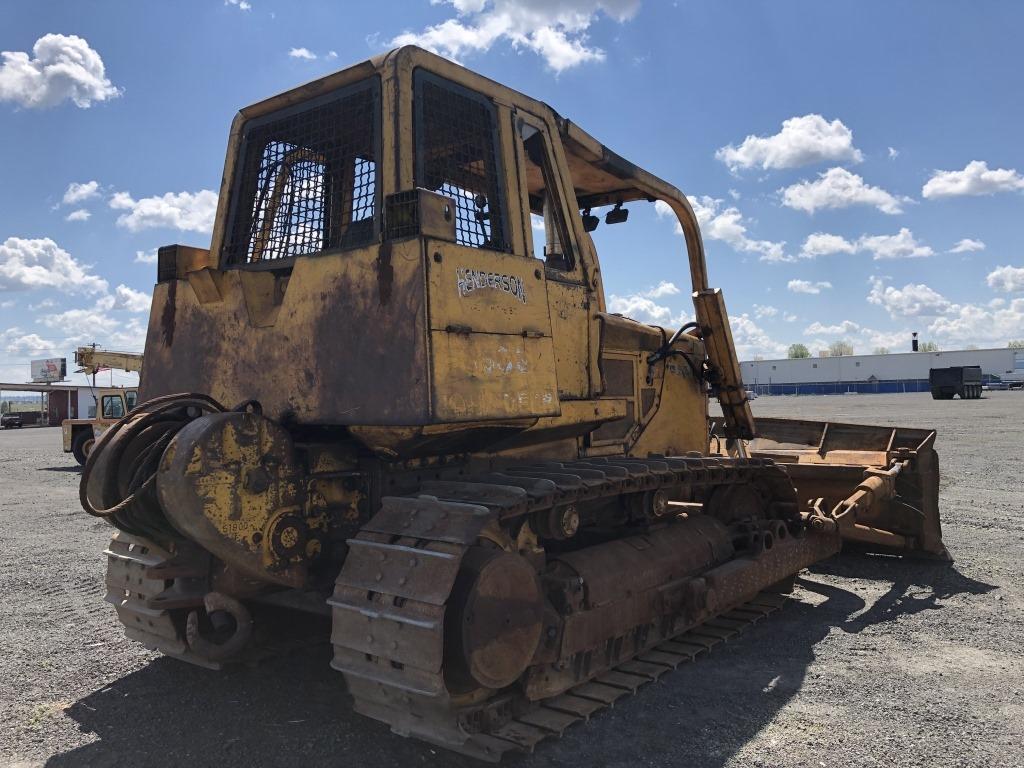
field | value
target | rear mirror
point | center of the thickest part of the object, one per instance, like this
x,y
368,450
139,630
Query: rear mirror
x,y
590,222
617,215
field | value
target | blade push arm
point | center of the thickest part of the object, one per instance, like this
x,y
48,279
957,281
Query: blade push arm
x,y
713,321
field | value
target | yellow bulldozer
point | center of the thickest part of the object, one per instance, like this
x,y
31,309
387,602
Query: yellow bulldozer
x,y
384,398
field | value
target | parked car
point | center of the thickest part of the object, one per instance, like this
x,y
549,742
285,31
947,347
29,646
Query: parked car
x,y
11,420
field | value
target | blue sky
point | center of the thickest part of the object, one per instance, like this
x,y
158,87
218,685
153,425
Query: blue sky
x,y
855,165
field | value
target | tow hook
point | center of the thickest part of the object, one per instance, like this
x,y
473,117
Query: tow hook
x,y
221,610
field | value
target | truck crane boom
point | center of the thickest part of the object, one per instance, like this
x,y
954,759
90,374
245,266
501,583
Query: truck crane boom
x,y
90,360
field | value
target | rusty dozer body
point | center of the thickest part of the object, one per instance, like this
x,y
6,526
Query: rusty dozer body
x,y
390,394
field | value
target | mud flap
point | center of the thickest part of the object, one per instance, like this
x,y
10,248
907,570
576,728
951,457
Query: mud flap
x,y
832,466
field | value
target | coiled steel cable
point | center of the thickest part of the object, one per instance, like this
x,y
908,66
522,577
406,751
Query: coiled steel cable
x,y
136,444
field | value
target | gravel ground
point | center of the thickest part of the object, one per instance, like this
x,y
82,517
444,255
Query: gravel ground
x,y
879,662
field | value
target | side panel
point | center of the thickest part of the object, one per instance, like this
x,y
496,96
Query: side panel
x,y
680,419
486,291
342,340
492,355
666,414
570,315
492,376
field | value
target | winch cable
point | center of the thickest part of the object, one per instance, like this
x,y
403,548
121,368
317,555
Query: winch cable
x,y
164,416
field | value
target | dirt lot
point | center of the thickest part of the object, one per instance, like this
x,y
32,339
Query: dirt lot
x,y
880,662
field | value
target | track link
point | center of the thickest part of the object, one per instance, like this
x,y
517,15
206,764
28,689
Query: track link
x,y
152,592
390,598
551,717
132,591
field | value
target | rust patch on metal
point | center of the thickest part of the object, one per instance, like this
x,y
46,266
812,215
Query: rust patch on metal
x,y
167,319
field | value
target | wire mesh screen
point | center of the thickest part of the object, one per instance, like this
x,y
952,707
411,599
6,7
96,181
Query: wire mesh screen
x,y
457,157
308,180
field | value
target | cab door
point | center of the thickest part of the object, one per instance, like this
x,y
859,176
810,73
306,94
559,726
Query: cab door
x,y
491,349
549,207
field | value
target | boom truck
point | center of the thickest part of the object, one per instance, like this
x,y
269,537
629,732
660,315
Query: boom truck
x,y
380,397
112,403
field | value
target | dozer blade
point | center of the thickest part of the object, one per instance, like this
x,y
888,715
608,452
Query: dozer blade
x,y
880,484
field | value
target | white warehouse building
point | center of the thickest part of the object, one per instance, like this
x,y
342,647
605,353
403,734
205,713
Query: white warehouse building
x,y
897,372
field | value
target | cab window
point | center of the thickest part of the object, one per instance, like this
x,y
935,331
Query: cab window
x,y
457,156
113,407
546,213
132,399
306,178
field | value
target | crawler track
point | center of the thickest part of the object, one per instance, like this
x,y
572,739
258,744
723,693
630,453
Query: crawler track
x,y
390,599
143,585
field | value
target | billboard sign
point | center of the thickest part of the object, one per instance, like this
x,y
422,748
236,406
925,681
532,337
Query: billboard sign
x,y
51,369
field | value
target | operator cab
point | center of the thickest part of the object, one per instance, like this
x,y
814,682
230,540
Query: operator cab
x,y
402,241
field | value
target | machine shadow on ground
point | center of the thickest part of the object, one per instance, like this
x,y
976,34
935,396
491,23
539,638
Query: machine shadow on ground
x,y
915,585
295,710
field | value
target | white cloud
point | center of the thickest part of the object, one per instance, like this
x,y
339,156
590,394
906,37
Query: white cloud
x,y
664,288
61,68
41,263
127,299
789,318
242,5
186,211
99,325
640,308
806,286
893,153
975,179
912,300
902,245
967,245
893,340
823,244
1006,279
104,322
664,211
988,326
463,6
556,30
727,225
331,55
752,341
15,341
838,188
302,53
78,215
802,141
764,311
80,192
642,305
146,257
844,328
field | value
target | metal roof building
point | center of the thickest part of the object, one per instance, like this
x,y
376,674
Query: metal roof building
x,y
896,372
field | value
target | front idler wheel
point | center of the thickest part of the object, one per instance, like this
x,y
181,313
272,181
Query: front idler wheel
x,y
493,621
